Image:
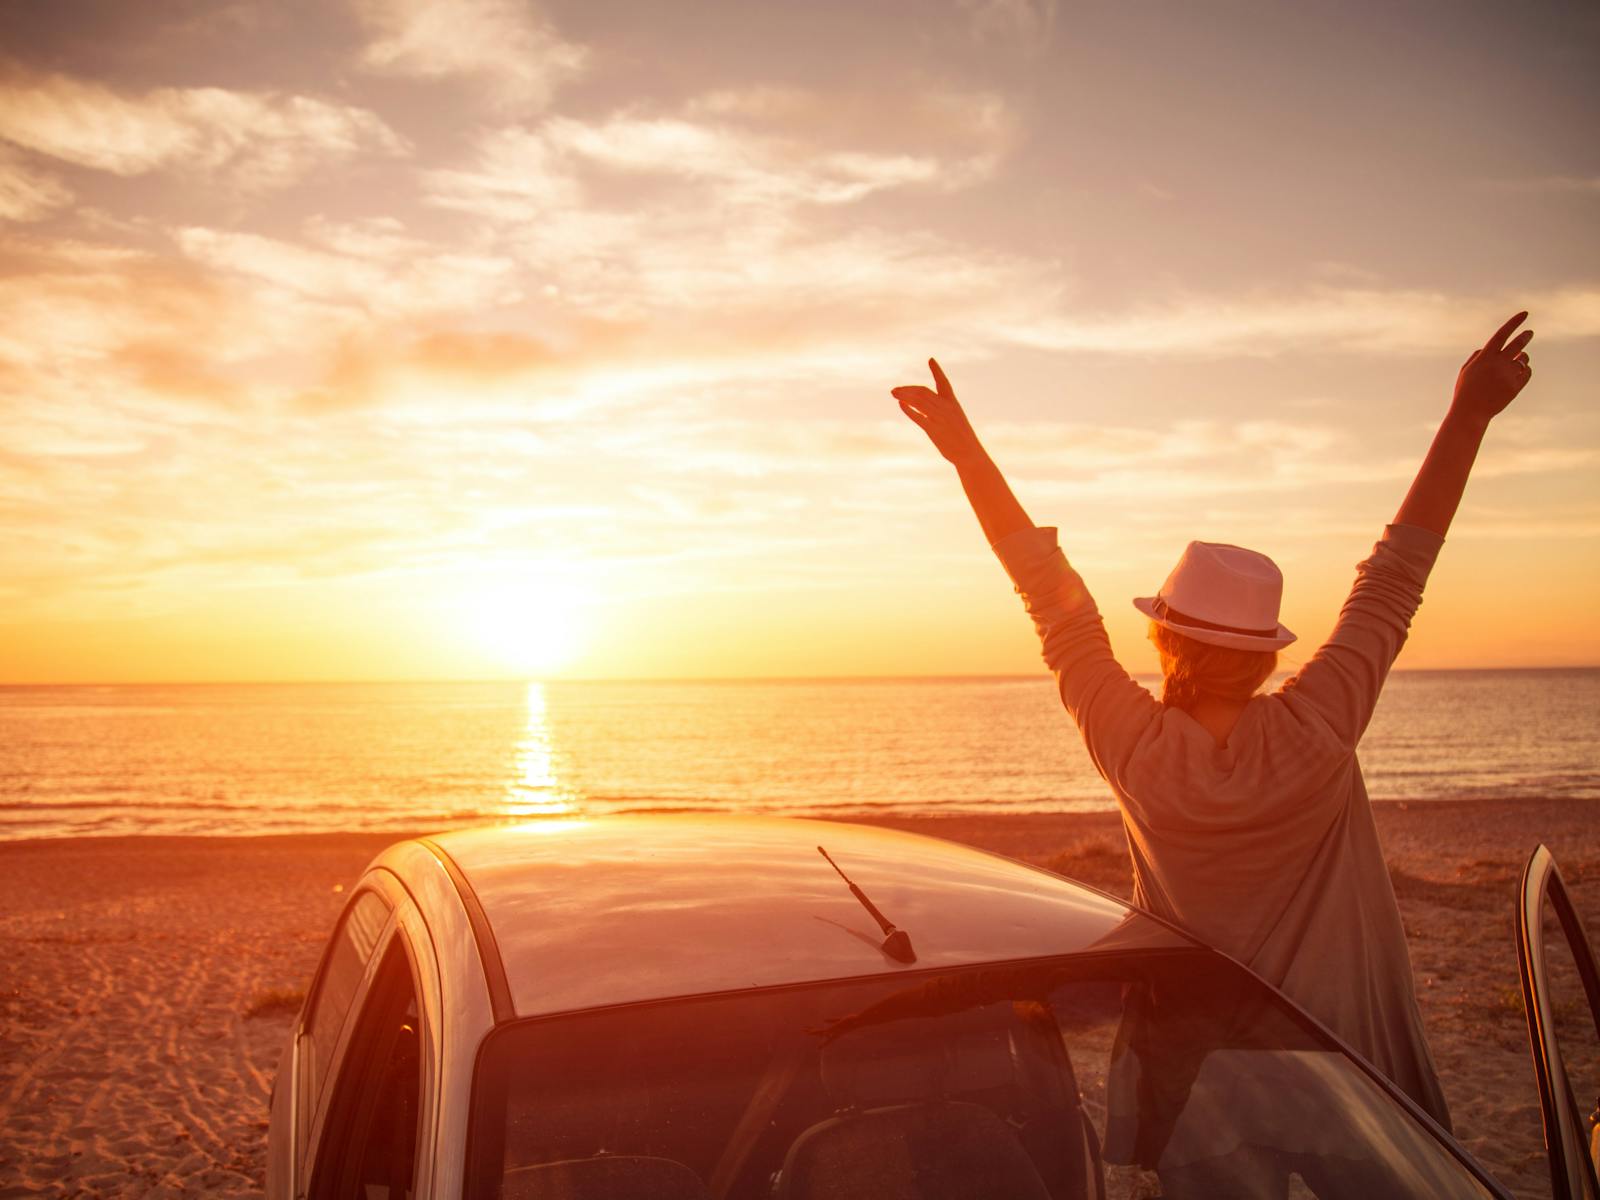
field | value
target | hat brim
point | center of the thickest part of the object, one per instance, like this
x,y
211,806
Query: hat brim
x,y
1217,637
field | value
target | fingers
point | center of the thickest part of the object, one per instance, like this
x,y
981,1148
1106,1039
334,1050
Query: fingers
x,y
1514,347
924,405
1498,338
916,414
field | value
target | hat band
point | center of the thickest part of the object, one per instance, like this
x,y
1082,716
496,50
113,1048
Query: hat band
x,y
1167,613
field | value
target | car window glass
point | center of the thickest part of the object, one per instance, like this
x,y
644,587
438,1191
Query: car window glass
x,y
368,1148
1574,1023
345,965
1175,1075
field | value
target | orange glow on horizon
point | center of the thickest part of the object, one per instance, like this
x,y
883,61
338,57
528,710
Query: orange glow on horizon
x,y
522,355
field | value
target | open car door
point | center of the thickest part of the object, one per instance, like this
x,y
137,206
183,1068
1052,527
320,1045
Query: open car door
x,y
1561,992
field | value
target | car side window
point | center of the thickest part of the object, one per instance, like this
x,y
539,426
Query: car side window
x,y
345,964
368,1149
1574,1022
1561,992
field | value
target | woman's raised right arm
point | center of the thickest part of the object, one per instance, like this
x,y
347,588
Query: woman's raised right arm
x,y
1342,680
1111,709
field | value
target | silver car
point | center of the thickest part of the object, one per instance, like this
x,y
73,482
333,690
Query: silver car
x,y
678,1008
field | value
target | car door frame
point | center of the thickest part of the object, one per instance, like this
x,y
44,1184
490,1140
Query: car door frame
x,y
406,924
1572,1173
302,1108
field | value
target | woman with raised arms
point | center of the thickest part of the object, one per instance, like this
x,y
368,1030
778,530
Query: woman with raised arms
x,y
1247,819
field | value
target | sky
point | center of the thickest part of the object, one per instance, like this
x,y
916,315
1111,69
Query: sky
x,y
371,339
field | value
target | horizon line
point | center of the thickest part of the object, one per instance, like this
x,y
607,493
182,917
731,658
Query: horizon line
x,y
524,680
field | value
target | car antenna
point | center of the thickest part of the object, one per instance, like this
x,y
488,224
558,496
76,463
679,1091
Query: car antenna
x,y
896,942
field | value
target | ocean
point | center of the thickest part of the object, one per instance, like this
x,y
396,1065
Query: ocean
x,y
280,758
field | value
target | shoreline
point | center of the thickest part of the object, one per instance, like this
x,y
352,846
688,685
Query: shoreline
x,y
520,681
150,980
1042,821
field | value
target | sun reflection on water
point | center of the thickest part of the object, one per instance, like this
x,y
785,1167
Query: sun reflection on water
x,y
535,789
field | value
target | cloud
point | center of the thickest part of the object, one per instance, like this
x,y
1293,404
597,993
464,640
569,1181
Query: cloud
x,y
885,466
25,193
258,140
919,116
668,215
745,168
518,174
502,47
1059,458
1026,24
404,373
64,301
383,276
1359,319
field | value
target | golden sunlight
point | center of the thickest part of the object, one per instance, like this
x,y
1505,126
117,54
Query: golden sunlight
x,y
535,789
535,623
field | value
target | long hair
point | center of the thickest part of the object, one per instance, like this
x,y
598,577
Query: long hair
x,y
1192,669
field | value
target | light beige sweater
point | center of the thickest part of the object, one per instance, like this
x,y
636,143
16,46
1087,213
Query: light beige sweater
x,y
1266,848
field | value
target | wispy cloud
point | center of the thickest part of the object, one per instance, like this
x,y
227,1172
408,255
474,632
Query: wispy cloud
x,y
27,194
64,301
519,172
502,47
1025,24
924,115
664,215
257,140
1351,319
377,275
745,168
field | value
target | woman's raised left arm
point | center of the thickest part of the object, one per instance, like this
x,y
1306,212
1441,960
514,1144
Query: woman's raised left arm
x,y
1343,679
1489,380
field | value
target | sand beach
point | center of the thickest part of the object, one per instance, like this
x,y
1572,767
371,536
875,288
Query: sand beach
x,y
148,983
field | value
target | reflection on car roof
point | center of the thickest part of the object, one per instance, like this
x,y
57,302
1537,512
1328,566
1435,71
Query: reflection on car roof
x,y
620,909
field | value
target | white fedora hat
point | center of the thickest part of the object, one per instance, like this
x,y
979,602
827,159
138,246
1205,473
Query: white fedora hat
x,y
1223,595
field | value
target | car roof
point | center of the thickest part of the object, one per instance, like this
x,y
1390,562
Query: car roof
x,y
622,909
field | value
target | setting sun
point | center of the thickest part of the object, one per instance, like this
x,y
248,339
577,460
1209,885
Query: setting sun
x,y
531,622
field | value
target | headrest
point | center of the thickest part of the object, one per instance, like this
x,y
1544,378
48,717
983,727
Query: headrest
x,y
608,1177
922,1059
937,1151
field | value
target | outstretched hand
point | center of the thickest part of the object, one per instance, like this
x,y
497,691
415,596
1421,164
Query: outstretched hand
x,y
1494,373
939,415
1489,380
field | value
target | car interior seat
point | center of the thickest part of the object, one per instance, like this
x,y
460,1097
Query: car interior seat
x,y
606,1177
928,1151
936,1110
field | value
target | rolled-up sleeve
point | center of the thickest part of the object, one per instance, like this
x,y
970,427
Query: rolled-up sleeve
x,y
1341,681
1112,710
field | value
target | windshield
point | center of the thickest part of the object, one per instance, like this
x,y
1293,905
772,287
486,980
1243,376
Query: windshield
x,y
1172,1074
